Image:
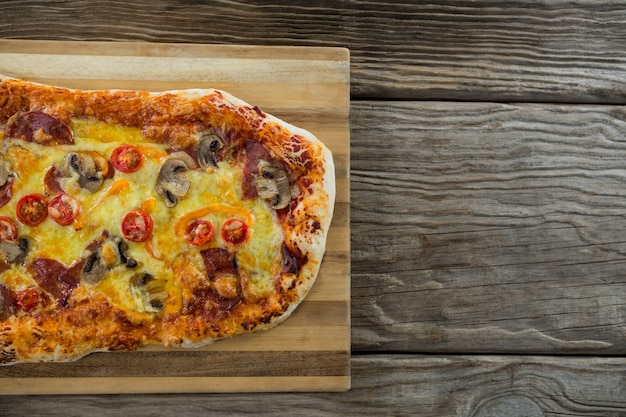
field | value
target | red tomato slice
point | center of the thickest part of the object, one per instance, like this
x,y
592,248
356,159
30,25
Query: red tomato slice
x,y
199,232
126,158
63,209
8,228
32,209
137,226
27,299
235,232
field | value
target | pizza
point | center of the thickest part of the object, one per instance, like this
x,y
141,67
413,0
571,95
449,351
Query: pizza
x,y
132,218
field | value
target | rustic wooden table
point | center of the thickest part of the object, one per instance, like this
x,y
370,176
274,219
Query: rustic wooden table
x,y
488,195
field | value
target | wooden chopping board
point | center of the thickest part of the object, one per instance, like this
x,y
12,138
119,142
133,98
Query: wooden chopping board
x,y
308,87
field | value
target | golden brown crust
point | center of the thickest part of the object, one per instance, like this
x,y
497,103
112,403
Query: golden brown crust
x,y
200,309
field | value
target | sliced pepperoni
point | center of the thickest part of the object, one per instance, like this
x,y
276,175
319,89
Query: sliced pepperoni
x,y
28,298
253,152
8,302
219,261
55,278
39,127
51,181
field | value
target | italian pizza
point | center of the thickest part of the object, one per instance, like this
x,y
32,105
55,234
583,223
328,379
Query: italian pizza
x,y
131,218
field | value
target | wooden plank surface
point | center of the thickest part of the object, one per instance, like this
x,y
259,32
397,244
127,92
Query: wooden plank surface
x,y
310,350
484,227
556,51
403,385
409,293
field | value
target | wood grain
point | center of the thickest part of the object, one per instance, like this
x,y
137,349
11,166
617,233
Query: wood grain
x,y
557,51
476,227
311,349
482,227
402,385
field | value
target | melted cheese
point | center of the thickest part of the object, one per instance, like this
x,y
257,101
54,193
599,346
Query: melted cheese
x,y
103,211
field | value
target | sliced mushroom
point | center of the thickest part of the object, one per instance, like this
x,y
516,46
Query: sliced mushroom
x,y
273,185
186,158
91,168
172,184
94,269
149,290
207,148
5,172
15,251
6,182
103,258
122,248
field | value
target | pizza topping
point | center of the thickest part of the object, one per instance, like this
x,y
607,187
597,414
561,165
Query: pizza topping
x,y
39,127
6,192
290,263
91,168
126,158
172,184
293,259
63,209
5,171
96,266
8,228
199,232
55,278
207,150
32,209
50,181
181,225
122,249
102,256
27,299
221,267
150,290
184,156
6,182
273,185
137,226
235,232
15,252
253,154
7,302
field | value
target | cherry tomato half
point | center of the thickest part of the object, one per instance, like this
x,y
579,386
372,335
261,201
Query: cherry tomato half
x,y
32,209
126,158
137,226
63,209
27,299
199,232
235,232
8,228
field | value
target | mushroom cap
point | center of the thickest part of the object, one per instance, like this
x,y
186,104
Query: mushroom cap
x,y
90,167
273,185
207,148
15,251
172,184
150,290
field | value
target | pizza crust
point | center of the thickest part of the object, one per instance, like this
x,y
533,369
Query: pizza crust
x,y
305,225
